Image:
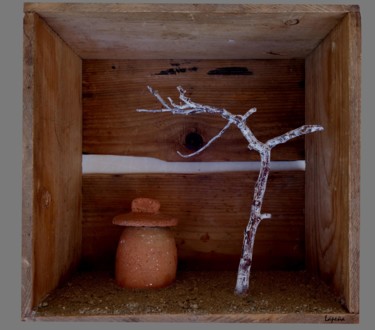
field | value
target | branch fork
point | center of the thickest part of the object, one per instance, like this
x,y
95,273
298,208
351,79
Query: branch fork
x,y
188,107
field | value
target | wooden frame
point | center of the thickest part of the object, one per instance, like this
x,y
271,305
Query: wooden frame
x,y
328,40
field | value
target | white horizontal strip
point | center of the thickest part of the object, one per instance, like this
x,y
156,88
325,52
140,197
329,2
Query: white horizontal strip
x,y
127,164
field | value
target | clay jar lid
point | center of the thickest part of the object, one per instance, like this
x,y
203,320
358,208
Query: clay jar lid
x,y
145,213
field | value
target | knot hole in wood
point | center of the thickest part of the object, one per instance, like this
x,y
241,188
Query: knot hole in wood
x,y
193,141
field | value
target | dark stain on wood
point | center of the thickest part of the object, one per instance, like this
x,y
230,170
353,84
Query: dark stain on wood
x,y
173,71
87,95
205,238
273,53
231,71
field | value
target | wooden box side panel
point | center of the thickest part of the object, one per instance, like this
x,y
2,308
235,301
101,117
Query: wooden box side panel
x,y
52,161
195,31
332,159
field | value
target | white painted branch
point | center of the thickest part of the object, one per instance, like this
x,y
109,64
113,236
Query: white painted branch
x,y
249,113
187,108
303,130
264,149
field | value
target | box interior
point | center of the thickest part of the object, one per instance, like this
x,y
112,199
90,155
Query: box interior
x,y
234,57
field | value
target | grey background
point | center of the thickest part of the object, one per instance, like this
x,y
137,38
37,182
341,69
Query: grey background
x,y
11,16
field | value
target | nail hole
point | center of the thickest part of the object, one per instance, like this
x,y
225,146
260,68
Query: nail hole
x,y
294,21
193,141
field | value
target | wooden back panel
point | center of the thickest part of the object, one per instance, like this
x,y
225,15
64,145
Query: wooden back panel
x,y
114,89
212,209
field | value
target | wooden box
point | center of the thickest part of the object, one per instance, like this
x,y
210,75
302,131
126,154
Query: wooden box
x,y
86,68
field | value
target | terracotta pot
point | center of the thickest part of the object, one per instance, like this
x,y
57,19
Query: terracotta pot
x,y
146,254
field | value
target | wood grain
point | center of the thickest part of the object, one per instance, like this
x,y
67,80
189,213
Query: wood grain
x,y
217,318
27,166
87,8
213,210
203,31
52,163
114,89
332,159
